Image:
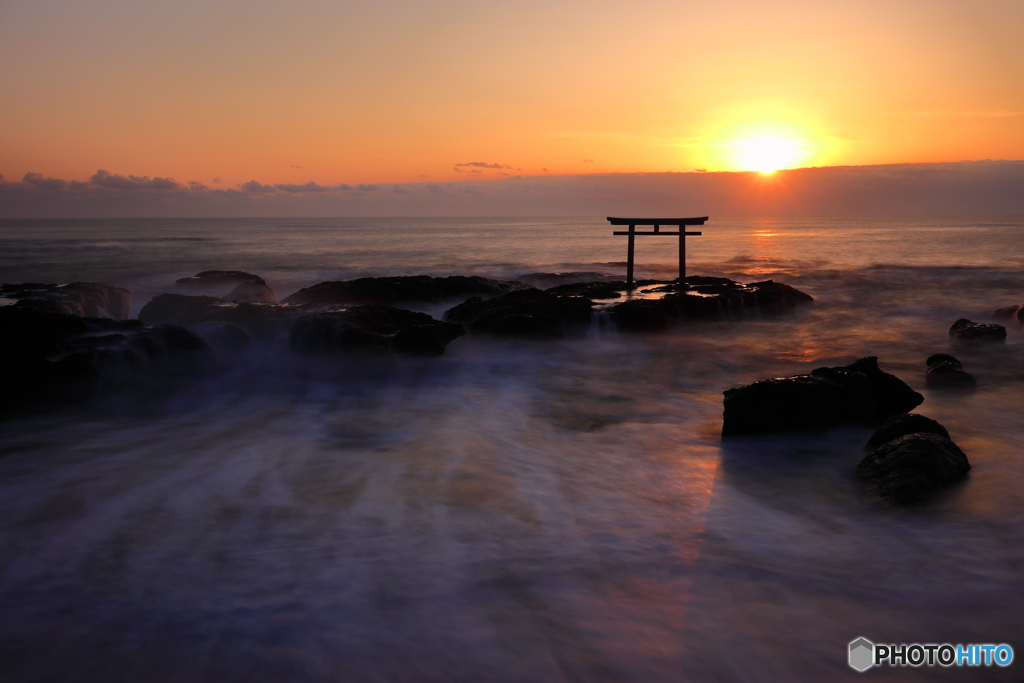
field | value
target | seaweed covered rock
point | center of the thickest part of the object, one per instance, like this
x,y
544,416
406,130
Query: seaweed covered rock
x,y
84,299
901,425
856,394
914,467
964,330
394,290
945,372
526,313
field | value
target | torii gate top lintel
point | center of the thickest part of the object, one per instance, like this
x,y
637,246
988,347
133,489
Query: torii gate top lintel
x,y
657,223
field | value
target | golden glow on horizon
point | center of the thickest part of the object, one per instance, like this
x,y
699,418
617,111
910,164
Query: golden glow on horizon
x,y
767,155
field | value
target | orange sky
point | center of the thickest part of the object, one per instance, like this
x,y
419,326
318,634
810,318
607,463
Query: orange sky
x,y
402,91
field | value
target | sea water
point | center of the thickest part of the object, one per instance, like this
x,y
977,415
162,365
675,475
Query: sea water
x,y
514,511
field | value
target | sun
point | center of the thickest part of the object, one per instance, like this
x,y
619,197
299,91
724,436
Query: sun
x,y
768,154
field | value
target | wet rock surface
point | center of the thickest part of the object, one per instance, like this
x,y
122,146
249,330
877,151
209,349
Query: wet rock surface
x,y
902,425
856,394
707,298
528,313
914,467
372,330
217,282
395,290
945,372
964,330
86,299
261,320
257,292
549,280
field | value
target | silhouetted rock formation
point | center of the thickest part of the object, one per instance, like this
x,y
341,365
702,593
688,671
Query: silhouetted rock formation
x,y
1007,313
709,299
901,425
372,330
229,339
217,282
256,292
86,299
945,372
856,394
261,320
548,280
914,467
394,290
526,313
52,359
964,330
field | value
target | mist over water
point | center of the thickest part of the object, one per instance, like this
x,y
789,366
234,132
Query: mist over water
x,y
514,511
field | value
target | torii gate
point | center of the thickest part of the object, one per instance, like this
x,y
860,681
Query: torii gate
x,y
657,223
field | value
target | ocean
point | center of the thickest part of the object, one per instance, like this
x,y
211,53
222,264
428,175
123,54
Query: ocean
x,y
515,511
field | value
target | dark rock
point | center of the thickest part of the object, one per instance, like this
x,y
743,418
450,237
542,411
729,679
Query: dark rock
x,y
256,292
217,281
334,334
84,299
707,299
430,339
179,309
392,290
963,330
901,425
382,319
547,280
914,467
261,320
32,382
170,348
856,394
229,338
1006,313
612,289
937,358
526,313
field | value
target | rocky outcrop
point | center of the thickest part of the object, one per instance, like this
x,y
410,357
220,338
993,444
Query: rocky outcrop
x,y
261,320
372,330
228,339
707,299
914,467
1013,312
216,282
903,424
256,292
526,313
945,372
85,299
395,290
548,280
964,330
856,394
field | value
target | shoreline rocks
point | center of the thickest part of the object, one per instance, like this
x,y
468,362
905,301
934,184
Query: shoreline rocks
x,y
394,290
524,313
84,299
945,372
964,330
856,394
913,459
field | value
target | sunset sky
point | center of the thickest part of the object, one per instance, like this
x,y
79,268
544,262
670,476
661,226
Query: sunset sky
x,y
394,91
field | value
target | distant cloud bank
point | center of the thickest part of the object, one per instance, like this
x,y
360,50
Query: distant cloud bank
x,y
970,187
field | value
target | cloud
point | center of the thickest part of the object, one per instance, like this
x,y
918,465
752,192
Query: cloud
x,y
434,187
37,181
306,187
197,187
398,189
367,188
256,187
480,164
296,166
217,180
113,181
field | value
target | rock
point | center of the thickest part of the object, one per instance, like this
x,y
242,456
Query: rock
x,y
257,292
526,313
84,299
333,334
855,394
217,282
547,280
612,289
914,467
707,299
32,382
173,349
393,290
430,339
901,425
261,320
1006,313
964,330
946,372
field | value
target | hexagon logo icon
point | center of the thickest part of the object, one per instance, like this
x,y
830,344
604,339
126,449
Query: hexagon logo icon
x,y
862,654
